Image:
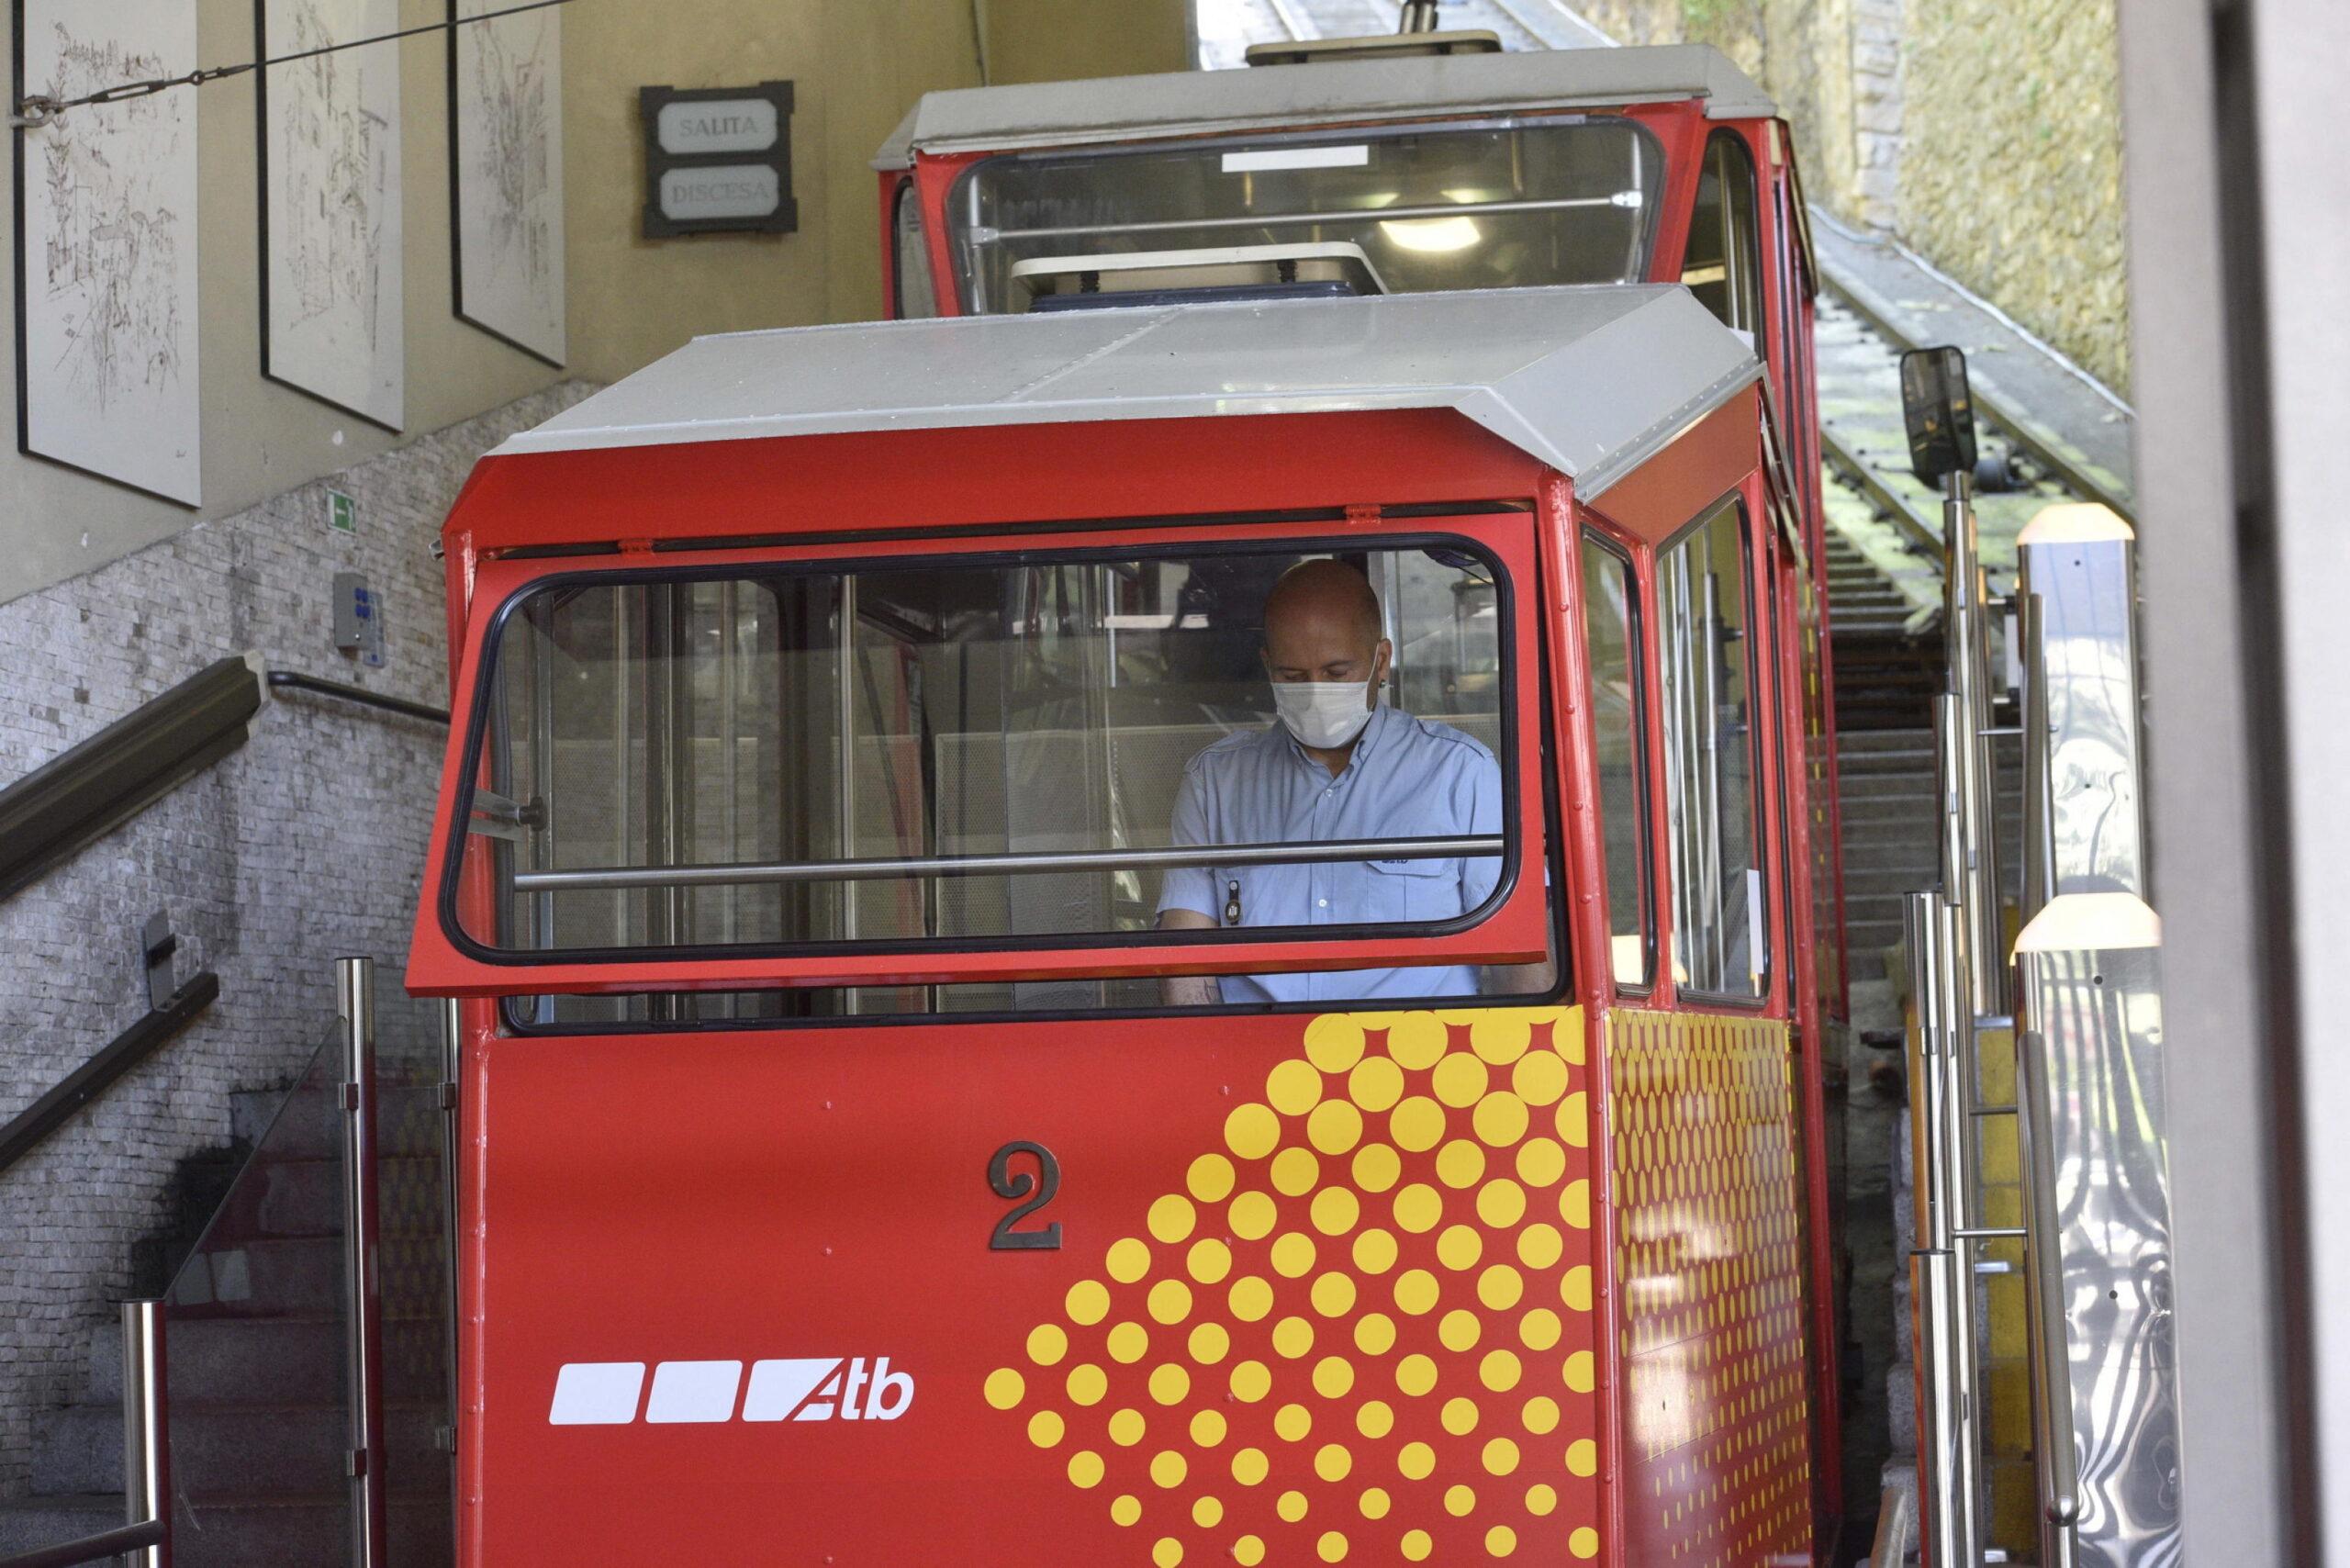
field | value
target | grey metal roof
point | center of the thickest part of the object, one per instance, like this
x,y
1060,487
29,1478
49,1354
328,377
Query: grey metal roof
x,y
1189,102
1591,381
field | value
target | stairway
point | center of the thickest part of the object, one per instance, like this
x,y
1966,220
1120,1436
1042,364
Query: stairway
x,y
255,1351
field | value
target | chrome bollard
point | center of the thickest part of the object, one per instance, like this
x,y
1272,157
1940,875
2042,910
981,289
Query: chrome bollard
x,y
363,1320
146,1434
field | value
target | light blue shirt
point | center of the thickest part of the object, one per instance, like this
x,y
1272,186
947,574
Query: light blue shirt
x,y
1407,778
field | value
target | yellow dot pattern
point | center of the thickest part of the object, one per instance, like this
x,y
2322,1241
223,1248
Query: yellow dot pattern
x,y
1361,1328
1710,1256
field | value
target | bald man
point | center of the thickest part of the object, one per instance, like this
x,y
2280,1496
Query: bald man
x,y
1335,765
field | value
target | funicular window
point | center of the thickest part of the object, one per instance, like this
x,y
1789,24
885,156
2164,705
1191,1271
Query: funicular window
x,y
1611,643
1722,936
1494,205
698,764
917,294
1724,263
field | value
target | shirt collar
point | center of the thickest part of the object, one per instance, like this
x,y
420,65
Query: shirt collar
x,y
1365,744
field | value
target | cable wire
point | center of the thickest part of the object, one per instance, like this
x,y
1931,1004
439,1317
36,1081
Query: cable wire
x,y
36,110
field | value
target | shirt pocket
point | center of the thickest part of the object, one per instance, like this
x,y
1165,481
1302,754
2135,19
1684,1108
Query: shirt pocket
x,y
1396,892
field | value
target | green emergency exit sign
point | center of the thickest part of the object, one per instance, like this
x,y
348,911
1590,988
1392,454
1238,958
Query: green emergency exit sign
x,y
342,512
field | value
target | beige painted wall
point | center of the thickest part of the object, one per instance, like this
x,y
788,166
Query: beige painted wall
x,y
1058,41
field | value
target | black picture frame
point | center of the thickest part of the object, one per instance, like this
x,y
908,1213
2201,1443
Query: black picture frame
x,y
658,161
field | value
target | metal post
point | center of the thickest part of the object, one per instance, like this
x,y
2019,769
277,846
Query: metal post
x,y
452,1016
362,1305
1965,631
146,1434
2038,803
2048,1360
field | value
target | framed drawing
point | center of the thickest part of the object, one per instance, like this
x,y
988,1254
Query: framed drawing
x,y
332,323
106,305
505,152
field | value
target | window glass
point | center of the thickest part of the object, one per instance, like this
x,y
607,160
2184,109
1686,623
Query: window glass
x,y
703,764
1724,264
1555,202
1610,600
917,294
1720,939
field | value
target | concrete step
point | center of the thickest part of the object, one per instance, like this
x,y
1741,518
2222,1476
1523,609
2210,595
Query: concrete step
x,y
262,1531
28,1524
407,1121
262,1449
292,1198
275,1361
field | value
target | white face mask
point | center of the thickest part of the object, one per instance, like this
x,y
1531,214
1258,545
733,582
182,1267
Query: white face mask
x,y
1323,714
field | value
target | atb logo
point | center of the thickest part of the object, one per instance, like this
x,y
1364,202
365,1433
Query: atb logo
x,y
818,1388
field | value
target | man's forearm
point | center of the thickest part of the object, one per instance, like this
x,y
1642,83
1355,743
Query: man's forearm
x,y
1188,990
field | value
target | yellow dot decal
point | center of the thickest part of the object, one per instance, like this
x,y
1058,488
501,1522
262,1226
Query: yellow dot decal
x,y
1460,1329
1250,1466
1207,1513
1585,1542
1167,1467
1374,1333
1292,1337
1501,1203
1045,1428
1375,1084
1500,1038
1540,1329
1459,1501
1458,1080
1568,1041
1375,1252
1087,1383
1088,1303
1333,1293
1208,1261
1209,1344
1293,1255
1128,1261
1128,1342
1332,1375
1460,1247
1579,1375
1540,1162
1374,1502
1046,1344
1332,1462
1583,1457
1085,1469
1250,1216
1251,1298
1334,1043
1417,1208
1375,1418
1210,1178
1291,1505
1460,1417
1500,1286
1169,1384
1574,1120
1249,1551
1499,1371
1167,1552
1294,1172
1460,1163
1500,1119
1416,1124
1376,1167
1416,1040
1500,1457
1291,1422
1416,1374
1126,1428
1335,1127
1126,1509
1252,1131
1540,1415
1415,1546
1170,1218
1575,1289
1004,1387
1331,1547
1169,1301
1574,1204
1540,1501
1540,1246
1416,1461
1501,1540
1335,1211
1538,1079
1207,1428
1416,1292
1250,1382
1293,1087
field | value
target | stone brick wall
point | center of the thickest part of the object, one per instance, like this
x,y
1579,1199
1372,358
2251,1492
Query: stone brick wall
x,y
304,846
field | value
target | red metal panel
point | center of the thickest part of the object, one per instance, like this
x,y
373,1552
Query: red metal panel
x,y
1703,463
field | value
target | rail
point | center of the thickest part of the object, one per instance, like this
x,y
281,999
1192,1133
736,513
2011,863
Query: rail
x,y
294,680
26,1131
145,1541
